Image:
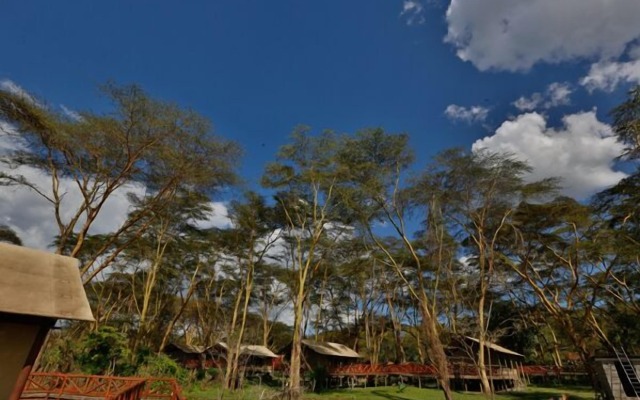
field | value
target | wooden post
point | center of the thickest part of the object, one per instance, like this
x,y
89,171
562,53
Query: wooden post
x,y
30,361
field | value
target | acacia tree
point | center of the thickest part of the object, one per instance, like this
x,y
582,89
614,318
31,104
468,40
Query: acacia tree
x,y
306,177
480,193
376,163
163,266
245,245
269,296
562,259
144,146
617,210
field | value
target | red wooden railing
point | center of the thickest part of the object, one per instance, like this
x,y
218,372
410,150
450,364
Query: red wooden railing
x,y
55,386
383,369
416,369
552,370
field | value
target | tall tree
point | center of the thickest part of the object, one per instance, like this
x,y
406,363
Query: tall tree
x,y
481,192
245,246
376,163
561,258
144,145
306,177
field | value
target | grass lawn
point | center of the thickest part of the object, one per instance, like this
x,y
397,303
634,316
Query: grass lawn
x,y
393,393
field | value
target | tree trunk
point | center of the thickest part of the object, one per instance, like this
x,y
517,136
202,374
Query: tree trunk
x,y
436,350
295,390
482,366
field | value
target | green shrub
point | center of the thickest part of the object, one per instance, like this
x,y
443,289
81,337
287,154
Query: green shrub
x,y
105,352
200,374
162,366
213,373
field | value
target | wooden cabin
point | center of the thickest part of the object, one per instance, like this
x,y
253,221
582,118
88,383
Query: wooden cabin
x,y
36,289
326,355
618,377
254,359
189,356
502,365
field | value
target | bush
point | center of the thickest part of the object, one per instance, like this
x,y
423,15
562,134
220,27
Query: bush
x,y
60,354
105,352
162,366
213,373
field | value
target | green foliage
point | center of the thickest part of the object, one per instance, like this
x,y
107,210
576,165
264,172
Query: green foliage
x,y
626,123
162,366
213,373
60,353
105,352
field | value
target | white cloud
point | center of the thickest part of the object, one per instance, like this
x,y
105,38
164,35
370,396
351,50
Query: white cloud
x,y
12,87
219,217
581,152
74,115
466,114
413,11
528,103
514,35
607,75
557,94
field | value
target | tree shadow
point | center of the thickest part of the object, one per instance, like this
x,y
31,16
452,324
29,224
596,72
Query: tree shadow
x,y
540,395
389,396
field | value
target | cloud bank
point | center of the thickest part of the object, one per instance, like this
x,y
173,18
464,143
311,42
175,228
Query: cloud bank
x,y
515,35
581,152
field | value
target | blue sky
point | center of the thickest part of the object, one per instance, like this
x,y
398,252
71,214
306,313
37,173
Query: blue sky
x,y
259,68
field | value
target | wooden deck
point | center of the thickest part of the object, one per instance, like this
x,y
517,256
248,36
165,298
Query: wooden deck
x,y
91,387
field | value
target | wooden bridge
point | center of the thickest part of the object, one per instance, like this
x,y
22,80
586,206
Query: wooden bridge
x,y
46,386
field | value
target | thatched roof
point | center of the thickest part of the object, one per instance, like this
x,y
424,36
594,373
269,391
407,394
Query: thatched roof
x,y
331,349
38,283
495,347
257,351
189,348
252,350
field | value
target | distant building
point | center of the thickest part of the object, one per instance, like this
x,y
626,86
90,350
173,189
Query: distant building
x,y
502,365
327,355
189,356
254,359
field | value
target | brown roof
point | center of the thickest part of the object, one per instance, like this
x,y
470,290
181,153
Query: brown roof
x,y
252,350
495,347
38,283
331,349
257,351
189,348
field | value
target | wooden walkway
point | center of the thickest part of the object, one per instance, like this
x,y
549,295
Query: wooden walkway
x,y
91,387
